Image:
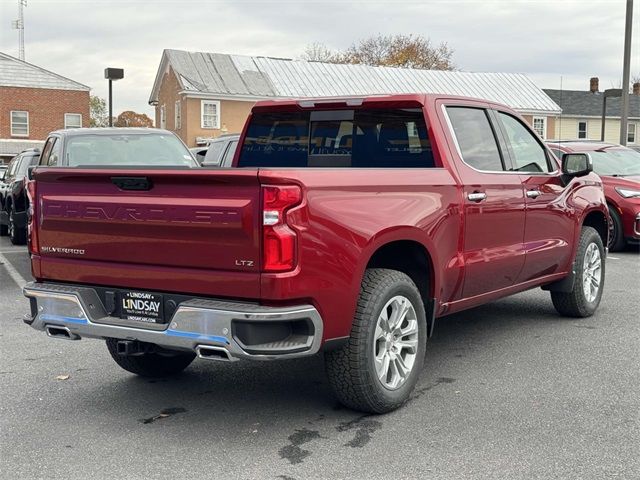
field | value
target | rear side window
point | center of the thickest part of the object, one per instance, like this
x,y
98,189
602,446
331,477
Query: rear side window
x,y
27,161
475,138
11,169
367,138
213,153
527,153
228,155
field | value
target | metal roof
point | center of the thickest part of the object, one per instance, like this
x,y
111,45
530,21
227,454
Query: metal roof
x,y
16,73
264,77
580,103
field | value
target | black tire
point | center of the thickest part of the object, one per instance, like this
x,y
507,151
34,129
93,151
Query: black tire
x,y
351,370
18,236
616,232
151,365
576,303
4,230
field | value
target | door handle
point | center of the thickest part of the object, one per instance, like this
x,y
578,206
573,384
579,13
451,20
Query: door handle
x,y
533,193
476,196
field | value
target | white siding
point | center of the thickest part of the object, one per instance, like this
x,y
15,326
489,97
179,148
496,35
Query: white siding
x,y
567,129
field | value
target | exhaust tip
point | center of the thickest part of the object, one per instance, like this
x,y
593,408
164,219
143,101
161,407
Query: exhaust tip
x,y
57,331
208,352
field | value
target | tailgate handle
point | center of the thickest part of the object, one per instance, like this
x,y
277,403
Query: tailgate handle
x,y
132,183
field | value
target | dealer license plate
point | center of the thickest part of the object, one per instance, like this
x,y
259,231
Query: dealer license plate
x,y
141,306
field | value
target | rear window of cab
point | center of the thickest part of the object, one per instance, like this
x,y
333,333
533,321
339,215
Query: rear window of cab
x,y
148,149
366,138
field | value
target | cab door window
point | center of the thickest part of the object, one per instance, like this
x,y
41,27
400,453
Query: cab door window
x,y
47,150
55,155
527,153
475,138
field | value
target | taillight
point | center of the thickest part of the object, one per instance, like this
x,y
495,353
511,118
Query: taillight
x,y
31,217
279,241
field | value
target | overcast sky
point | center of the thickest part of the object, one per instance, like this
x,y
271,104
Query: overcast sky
x,y
545,39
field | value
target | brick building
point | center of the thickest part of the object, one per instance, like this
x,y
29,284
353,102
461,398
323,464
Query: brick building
x,y
201,95
35,101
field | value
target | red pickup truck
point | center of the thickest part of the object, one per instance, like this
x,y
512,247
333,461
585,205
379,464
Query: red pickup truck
x,y
347,226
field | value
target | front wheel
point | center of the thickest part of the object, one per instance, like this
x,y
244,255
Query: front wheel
x,y
616,232
150,364
589,268
379,367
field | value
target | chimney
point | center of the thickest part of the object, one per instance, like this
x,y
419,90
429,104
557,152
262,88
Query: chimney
x,y
636,88
593,84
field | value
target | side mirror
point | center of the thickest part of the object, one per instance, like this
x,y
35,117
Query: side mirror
x,y
30,171
577,164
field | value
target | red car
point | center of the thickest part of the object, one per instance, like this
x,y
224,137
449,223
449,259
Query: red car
x,y
619,168
347,225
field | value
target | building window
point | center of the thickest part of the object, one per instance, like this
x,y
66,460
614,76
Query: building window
x,y
540,126
163,117
210,114
631,133
19,124
582,130
72,120
178,116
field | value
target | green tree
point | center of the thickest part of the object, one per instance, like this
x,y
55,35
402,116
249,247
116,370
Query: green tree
x,y
405,51
98,112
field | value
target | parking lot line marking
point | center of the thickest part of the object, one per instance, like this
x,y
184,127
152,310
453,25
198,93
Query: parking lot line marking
x,y
613,258
13,273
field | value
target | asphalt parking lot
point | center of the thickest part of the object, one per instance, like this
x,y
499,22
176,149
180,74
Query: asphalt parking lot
x,y
510,390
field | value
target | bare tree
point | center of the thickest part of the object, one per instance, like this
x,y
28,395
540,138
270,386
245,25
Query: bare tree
x,y
405,51
318,52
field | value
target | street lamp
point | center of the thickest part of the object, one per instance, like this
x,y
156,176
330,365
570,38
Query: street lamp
x,y
612,92
112,74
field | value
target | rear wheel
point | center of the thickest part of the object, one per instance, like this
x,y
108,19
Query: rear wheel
x,y
150,364
379,367
589,268
616,233
17,235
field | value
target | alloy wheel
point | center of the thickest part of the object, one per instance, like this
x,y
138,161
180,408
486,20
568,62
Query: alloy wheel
x,y
12,225
395,342
591,272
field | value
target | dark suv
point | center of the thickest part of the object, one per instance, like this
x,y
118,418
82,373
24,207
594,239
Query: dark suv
x,y
13,197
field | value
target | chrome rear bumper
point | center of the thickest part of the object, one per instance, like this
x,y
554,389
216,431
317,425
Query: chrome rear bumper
x,y
196,323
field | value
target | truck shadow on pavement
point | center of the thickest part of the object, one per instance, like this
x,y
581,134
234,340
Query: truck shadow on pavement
x,y
247,401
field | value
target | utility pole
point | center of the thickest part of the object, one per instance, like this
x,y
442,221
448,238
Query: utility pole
x,y
624,117
19,25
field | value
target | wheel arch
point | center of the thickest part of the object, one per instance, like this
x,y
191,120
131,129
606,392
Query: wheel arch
x,y
408,254
598,220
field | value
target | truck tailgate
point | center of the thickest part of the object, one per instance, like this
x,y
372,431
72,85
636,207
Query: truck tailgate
x,y
170,219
